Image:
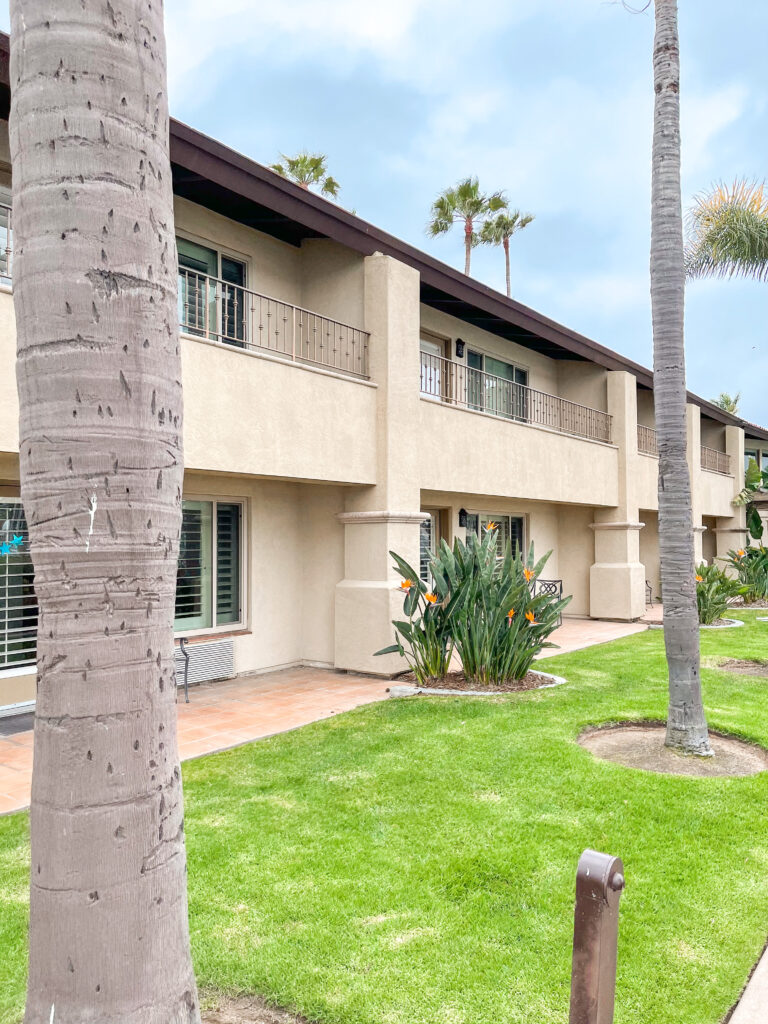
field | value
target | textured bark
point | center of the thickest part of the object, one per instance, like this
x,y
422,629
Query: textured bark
x,y
506,260
686,724
99,381
468,229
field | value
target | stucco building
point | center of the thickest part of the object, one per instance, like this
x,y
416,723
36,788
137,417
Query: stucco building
x,y
346,394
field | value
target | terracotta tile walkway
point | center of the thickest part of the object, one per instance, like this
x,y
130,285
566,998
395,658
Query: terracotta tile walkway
x,y
222,715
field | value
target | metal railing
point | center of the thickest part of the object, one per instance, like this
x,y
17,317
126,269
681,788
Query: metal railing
x,y
463,386
646,440
714,461
6,242
220,311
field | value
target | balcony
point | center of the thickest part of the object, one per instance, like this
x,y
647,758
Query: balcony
x,y
715,462
227,313
467,388
646,441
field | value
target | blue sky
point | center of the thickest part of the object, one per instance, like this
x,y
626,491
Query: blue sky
x,y
550,100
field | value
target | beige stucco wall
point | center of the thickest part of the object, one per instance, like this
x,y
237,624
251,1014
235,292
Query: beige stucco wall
x,y
649,550
712,434
646,470
646,414
583,383
9,402
576,553
252,414
333,281
716,492
473,452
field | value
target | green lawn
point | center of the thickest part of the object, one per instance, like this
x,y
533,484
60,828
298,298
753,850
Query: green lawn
x,y
414,861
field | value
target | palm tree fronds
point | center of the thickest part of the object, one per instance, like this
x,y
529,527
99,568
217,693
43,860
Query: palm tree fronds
x,y
728,230
307,170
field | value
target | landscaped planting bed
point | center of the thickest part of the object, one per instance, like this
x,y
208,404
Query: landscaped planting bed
x,y
413,862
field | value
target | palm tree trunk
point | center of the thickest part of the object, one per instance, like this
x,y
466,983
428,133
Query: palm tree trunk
x,y
467,244
506,257
101,468
686,724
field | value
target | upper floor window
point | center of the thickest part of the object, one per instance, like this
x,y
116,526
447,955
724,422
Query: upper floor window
x,y
497,386
212,296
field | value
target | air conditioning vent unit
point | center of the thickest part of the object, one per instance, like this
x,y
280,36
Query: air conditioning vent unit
x,y
209,660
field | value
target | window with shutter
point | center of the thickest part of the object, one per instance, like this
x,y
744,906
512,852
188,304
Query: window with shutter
x,y
18,604
208,582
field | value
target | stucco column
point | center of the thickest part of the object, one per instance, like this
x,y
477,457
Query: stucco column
x,y
387,516
732,532
617,578
693,438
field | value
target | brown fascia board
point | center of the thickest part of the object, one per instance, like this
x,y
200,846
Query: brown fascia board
x,y
216,162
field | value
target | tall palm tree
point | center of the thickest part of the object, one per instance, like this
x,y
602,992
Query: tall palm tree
x,y
308,170
464,204
728,402
686,723
728,232
101,468
500,229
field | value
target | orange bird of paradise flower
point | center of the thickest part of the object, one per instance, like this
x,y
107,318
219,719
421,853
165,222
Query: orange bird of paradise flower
x,y
531,618
491,526
431,598
406,584
511,614
528,573
699,579
740,553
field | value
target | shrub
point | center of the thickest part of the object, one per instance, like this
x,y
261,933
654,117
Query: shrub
x,y
751,565
423,639
714,592
484,607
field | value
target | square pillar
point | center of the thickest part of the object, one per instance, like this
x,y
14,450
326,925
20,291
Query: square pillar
x,y
617,577
387,516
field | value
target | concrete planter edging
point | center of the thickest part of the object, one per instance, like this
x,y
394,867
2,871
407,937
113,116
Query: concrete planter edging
x,y
725,624
412,690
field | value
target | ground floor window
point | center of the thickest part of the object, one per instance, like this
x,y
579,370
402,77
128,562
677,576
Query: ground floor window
x,y
507,528
18,605
208,583
428,539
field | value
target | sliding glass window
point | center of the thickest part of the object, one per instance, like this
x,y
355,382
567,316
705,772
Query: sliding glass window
x,y
208,583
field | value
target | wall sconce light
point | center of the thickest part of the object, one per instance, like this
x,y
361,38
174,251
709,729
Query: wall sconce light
x,y
463,517
459,348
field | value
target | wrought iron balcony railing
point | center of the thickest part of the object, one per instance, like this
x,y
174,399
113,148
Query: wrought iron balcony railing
x,y
646,440
463,386
714,461
215,309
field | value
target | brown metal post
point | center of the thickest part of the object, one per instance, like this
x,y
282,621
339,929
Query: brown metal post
x,y
599,883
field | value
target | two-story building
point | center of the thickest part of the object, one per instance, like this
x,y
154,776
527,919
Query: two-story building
x,y
346,395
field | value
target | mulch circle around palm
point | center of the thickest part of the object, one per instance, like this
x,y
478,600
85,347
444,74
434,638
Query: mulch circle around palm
x,y
248,1010
745,667
641,745
458,681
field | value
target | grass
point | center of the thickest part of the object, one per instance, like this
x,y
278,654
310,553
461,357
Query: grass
x,y
413,862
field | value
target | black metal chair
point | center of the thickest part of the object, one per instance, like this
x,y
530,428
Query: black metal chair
x,y
552,588
649,592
